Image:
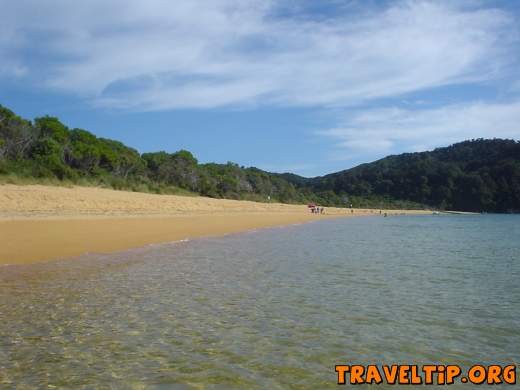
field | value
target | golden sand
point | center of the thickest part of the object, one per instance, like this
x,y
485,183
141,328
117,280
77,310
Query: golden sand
x,y
39,223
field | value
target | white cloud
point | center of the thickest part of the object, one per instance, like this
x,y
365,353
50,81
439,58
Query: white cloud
x,y
377,132
163,54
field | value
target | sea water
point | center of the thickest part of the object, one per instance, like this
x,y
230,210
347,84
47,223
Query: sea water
x,y
273,308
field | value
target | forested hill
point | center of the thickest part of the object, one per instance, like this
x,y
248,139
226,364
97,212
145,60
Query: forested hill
x,y
480,175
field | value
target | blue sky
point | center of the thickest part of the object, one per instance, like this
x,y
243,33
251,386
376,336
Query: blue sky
x,y
285,85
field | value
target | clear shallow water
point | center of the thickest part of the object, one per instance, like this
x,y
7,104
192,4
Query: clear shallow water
x,y
276,308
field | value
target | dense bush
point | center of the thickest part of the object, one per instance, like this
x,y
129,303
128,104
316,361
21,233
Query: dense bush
x,y
478,175
47,149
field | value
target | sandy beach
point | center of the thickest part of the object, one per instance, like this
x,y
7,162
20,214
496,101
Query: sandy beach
x,y
41,223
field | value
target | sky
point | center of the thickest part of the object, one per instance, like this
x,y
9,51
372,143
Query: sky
x,y
302,86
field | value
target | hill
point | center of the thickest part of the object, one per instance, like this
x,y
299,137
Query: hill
x,y
477,175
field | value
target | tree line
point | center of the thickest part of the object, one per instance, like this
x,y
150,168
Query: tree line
x,y
46,148
477,175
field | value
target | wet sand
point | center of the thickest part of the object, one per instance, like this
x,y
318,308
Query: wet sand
x,y
40,223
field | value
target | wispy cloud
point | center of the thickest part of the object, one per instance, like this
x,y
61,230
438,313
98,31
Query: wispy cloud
x,y
377,132
163,54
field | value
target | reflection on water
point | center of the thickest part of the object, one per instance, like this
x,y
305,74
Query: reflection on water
x,y
276,308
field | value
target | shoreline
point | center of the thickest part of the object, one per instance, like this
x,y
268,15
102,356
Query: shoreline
x,y
40,223
39,240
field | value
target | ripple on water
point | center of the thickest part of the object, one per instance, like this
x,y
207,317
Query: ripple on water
x,y
277,308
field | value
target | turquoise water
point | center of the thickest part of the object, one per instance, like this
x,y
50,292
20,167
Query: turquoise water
x,y
272,309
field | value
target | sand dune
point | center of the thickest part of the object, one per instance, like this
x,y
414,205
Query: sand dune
x,y
37,201
39,223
